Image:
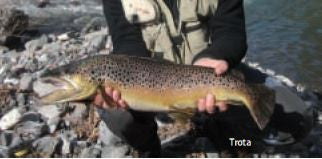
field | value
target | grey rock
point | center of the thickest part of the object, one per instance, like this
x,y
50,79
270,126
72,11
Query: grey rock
x,y
51,111
21,99
51,48
212,155
34,45
79,111
53,124
30,130
26,82
6,137
10,119
12,81
3,49
31,116
95,41
13,22
90,152
115,151
95,24
46,146
79,147
106,136
67,137
4,152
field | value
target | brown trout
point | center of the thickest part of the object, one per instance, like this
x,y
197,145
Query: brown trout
x,y
150,85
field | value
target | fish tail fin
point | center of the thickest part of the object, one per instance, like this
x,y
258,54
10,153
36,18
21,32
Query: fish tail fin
x,y
262,106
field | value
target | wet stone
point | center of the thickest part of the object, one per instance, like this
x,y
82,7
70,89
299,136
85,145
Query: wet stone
x,y
46,146
10,119
67,137
51,111
25,82
30,130
6,137
36,44
31,116
115,151
106,136
91,152
3,49
53,124
4,152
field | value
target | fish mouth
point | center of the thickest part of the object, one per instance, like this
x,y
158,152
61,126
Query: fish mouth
x,y
54,89
51,90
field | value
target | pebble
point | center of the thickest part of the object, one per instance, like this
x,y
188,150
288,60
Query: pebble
x,y
53,124
25,82
10,119
6,137
115,151
106,136
67,137
95,41
46,146
91,152
3,49
21,99
31,130
79,111
34,45
4,152
50,111
31,116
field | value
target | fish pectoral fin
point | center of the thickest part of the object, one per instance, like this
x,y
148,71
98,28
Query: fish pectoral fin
x,y
109,101
181,114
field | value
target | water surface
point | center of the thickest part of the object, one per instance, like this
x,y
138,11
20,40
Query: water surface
x,y
286,36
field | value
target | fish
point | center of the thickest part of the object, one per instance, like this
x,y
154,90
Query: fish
x,y
154,86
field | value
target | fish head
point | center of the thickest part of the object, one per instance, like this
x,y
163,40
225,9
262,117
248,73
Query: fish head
x,y
61,85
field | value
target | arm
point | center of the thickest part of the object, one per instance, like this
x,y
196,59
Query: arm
x,y
126,37
227,28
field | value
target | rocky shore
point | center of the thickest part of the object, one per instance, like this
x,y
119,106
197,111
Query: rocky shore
x,y
28,129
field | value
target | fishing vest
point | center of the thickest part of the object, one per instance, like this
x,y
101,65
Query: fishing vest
x,y
166,38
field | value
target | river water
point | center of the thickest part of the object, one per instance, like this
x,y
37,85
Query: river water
x,y
283,35
286,36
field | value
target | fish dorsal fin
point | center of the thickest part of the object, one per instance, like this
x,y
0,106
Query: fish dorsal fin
x,y
237,74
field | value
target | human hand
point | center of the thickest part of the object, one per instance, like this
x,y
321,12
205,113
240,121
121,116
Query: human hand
x,y
114,95
208,103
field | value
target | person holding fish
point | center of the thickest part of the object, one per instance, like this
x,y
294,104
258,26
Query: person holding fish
x,y
209,33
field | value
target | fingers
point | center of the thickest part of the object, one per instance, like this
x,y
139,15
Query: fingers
x,y
202,105
209,104
220,66
114,94
222,106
